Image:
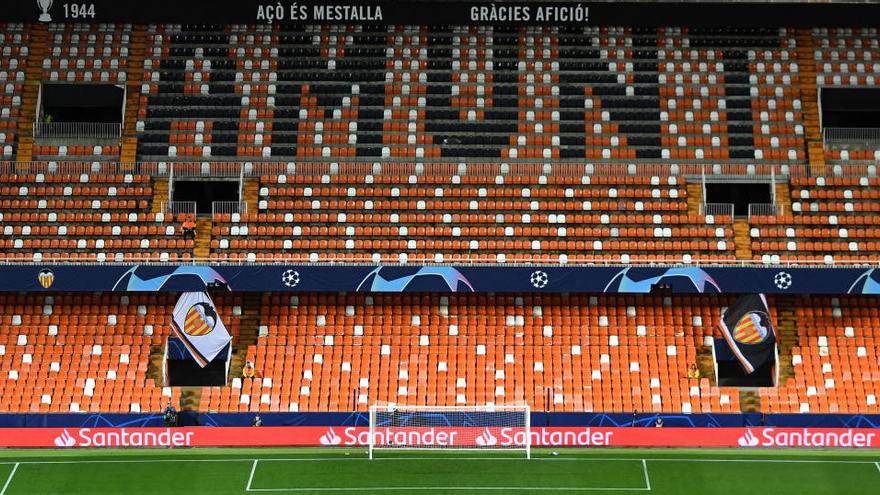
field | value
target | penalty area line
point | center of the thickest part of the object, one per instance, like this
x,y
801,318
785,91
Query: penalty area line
x,y
9,478
451,488
647,479
251,477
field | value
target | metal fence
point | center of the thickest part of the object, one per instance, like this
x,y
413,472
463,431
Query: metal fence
x,y
765,210
717,209
867,136
228,207
179,207
94,130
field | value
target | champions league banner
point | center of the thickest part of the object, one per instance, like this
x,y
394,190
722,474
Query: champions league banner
x,y
437,12
439,279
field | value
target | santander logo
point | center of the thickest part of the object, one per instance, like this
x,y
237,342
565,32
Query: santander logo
x,y
65,439
486,439
330,438
748,439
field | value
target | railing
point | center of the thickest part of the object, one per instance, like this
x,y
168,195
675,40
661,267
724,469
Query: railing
x,y
179,208
472,168
867,136
512,261
95,130
228,208
717,209
765,210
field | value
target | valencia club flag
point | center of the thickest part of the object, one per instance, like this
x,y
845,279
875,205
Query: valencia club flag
x,y
197,324
749,332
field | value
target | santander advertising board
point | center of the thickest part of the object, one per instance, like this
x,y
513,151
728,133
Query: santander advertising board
x,y
330,436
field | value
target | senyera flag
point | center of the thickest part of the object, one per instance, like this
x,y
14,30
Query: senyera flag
x,y
198,325
748,330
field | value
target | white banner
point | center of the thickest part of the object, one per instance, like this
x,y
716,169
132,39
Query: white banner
x,y
198,325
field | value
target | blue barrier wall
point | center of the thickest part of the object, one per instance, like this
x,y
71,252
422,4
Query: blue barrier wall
x,y
360,419
408,278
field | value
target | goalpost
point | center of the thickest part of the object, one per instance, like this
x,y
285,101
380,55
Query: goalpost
x,y
503,427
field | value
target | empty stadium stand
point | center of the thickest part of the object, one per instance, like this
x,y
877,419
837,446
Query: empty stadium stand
x,y
65,352
343,352
831,219
835,361
407,144
472,218
100,217
612,93
14,48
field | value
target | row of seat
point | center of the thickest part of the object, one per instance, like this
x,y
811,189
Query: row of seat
x,y
831,219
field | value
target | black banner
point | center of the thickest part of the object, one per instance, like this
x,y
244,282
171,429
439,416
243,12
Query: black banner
x,y
747,328
437,12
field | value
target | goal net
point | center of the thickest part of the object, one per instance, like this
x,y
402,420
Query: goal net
x,y
456,427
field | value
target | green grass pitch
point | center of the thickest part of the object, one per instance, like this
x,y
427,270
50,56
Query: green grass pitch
x,y
341,471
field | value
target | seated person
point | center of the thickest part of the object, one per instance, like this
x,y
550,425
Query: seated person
x,y
189,228
248,371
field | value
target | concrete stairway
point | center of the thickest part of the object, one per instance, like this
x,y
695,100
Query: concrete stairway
x,y
810,101
783,196
203,238
190,398
749,400
248,332
160,194
706,363
694,197
743,239
39,34
786,335
154,368
134,76
251,193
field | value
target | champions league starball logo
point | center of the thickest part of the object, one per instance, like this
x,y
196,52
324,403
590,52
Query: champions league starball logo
x,y
782,280
539,279
290,278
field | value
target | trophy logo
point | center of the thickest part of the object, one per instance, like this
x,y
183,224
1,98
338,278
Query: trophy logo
x,y
44,6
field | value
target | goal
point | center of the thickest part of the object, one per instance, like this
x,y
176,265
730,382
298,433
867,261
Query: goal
x,y
399,427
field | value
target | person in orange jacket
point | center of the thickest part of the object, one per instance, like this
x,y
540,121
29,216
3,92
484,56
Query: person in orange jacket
x,y
189,227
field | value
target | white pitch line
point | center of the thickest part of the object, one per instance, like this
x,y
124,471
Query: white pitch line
x,y
131,461
790,461
251,477
417,458
647,479
9,479
878,465
471,488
